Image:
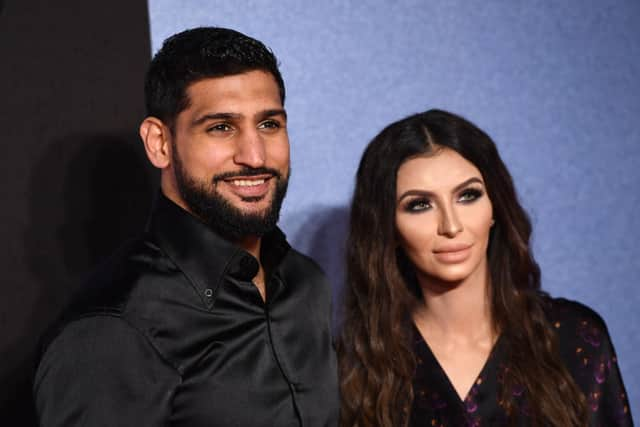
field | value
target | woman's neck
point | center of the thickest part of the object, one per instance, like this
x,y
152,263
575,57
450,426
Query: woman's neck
x,y
459,311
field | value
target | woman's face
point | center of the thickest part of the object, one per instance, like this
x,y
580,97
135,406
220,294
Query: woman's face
x,y
443,216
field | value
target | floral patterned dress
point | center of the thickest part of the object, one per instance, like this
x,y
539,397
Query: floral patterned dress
x,y
585,348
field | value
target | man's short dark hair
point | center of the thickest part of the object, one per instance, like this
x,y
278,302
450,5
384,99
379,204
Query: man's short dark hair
x,y
197,54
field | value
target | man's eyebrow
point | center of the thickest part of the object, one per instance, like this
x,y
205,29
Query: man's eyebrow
x,y
430,194
214,116
273,112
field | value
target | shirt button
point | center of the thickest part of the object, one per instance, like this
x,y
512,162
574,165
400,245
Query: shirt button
x,y
208,293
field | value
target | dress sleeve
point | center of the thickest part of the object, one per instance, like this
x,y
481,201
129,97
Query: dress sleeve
x,y
590,356
102,372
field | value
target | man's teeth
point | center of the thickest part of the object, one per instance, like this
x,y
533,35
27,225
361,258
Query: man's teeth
x,y
247,182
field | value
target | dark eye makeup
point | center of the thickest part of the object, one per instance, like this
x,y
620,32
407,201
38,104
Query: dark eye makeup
x,y
417,204
469,195
423,203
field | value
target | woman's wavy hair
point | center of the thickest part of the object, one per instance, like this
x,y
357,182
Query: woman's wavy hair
x,y
376,358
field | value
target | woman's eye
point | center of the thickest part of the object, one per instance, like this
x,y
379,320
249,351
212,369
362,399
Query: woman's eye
x,y
470,195
418,205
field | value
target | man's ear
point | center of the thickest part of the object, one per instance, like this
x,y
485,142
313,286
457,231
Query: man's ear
x,y
156,139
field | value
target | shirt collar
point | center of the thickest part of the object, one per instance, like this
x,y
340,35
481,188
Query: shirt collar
x,y
205,257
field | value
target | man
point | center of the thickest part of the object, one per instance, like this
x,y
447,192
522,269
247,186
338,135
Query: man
x,y
210,318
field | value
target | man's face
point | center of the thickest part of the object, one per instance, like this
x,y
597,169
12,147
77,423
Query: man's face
x,y
230,153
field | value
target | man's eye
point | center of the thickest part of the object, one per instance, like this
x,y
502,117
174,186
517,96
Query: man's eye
x,y
269,124
219,127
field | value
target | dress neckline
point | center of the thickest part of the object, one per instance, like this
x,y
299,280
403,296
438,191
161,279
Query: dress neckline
x,y
422,344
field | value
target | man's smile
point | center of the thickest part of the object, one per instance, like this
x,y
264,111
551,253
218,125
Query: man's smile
x,y
249,187
247,182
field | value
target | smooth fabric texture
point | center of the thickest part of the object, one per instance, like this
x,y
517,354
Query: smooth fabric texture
x,y
585,348
171,331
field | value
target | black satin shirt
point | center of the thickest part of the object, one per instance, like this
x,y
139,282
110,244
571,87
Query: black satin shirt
x,y
585,348
172,332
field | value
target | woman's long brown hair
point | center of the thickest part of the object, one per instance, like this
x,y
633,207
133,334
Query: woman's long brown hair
x,y
375,353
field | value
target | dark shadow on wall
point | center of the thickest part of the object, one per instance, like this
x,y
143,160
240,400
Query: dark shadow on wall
x,y
325,234
75,182
88,194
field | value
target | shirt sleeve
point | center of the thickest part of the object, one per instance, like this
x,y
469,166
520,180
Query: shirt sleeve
x,y
100,371
607,400
591,358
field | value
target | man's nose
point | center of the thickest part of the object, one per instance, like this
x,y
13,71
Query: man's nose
x,y
250,149
449,224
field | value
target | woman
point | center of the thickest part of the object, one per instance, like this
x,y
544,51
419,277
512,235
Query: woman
x,y
445,323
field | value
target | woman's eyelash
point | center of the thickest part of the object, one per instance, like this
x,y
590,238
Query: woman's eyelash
x,y
470,195
421,204
417,205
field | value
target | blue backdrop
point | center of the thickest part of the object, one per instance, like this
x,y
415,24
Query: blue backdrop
x,y
554,83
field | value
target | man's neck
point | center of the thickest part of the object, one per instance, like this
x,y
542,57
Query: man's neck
x,y
252,244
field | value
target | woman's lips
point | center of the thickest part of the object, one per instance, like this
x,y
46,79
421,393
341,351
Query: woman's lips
x,y
453,254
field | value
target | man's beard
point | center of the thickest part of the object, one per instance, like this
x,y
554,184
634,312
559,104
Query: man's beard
x,y
219,214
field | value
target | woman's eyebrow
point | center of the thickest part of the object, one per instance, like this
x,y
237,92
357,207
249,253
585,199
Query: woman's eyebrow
x,y
467,182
